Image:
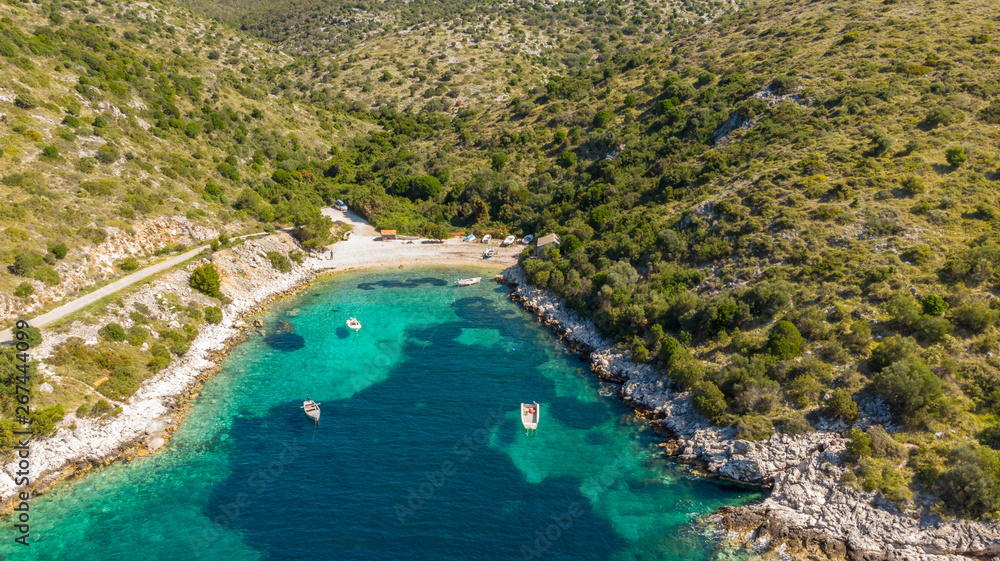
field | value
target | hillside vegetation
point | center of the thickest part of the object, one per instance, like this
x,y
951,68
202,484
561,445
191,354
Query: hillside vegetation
x,y
792,209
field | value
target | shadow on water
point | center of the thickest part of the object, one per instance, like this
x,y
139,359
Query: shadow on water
x,y
285,341
343,332
576,415
408,283
357,478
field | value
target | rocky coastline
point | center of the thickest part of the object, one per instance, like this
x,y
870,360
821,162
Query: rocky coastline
x,y
808,514
250,283
147,418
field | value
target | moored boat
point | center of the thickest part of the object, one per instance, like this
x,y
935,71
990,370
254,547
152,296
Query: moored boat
x,y
489,253
529,415
470,238
527,239
354,324
468,282
487,238
508,240
311,409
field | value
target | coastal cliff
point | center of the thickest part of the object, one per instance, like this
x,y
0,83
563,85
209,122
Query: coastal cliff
x,y
808,514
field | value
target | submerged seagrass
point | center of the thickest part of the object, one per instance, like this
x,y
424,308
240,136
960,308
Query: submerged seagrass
x,y
420,453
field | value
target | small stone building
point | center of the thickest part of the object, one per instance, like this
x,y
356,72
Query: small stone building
x,y
388,235
545,244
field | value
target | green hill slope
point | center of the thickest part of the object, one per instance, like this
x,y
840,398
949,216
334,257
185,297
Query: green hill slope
x,y
786,215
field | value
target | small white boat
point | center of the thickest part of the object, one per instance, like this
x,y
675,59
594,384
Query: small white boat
x,y
468,282
354,324
529,415
489,253
470,238
311,408
347,235
527,239
487,238
508,240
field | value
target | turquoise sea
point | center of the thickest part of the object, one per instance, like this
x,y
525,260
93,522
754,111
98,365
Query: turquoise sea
x,y
419,455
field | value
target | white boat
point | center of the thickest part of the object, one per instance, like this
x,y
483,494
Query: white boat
x,y
508,240
311,408
529,415
470,238
354,324
487,238
489,253
347,235
527,239
468,282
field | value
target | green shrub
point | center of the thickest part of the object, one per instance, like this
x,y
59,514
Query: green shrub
x,y
43,421
602,118
26,101
934,305
784,341
279,261
23,265
910,389
942,116
213,314
841,404
48,275
974,316
128,264
498,161
956,156
966,487
32,336
913,185
804,390
137,335
567,159
754,427
685,371
918,254
934,329
50,151
794,423
784,85
100,409
707,399
112,332
24,290
890,350
59,250
883,445
858,444
205,279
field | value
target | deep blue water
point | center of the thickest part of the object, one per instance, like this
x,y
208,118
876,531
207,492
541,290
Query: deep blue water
x,y
419,453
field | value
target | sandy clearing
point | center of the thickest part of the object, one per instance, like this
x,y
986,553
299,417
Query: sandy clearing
x,y
366,249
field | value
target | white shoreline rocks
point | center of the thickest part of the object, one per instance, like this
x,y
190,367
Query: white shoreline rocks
x,y
808,515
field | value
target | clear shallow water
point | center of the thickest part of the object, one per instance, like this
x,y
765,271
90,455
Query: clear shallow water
x,y
419,453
